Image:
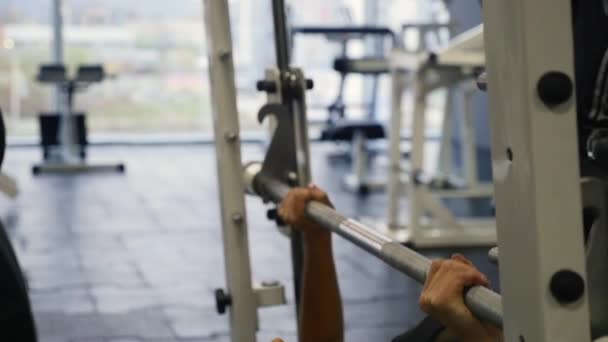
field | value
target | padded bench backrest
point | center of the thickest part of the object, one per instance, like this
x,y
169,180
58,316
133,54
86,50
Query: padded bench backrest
x,y
90,74
363,66
52,73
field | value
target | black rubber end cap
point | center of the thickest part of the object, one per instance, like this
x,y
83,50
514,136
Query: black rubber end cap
x,y
567,286
363,190
309,84
273,215
267,86
341,65
554,88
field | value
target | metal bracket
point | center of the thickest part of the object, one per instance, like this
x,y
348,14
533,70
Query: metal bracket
x,y
281,160
270,294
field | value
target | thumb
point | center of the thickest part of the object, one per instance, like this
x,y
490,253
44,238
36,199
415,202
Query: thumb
x,y
277,340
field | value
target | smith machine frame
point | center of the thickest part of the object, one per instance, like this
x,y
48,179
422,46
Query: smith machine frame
x,y
530,73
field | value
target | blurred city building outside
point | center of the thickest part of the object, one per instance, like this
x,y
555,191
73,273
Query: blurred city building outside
x,y
154,54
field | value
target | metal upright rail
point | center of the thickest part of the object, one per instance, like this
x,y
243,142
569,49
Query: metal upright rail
x,y
280,34
286,82
57,49
241,298
530,69
240,295
66,134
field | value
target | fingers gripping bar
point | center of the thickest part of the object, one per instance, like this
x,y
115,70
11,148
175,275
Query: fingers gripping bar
x,y
483,302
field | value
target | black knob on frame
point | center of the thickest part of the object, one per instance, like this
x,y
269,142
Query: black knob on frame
x,y
273,214
309,84
222,301
267,86
567,286
554,88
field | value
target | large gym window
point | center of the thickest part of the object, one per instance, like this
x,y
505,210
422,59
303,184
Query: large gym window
x,y
153,54
155,58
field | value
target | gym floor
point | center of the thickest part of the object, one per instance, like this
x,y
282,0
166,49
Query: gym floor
x,y
136,257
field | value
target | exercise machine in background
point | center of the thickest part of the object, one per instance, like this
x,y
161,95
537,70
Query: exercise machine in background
x,y
341,127
63,134
286,162
430,222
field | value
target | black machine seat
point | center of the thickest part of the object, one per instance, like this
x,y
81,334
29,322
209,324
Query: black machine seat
x,y
57,73
52,73
344,33
50,123
344,130
90,74
363,66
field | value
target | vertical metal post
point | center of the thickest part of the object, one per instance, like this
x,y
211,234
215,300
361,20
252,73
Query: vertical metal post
x,y
280,34
360,161
468,131
417,157
57,49
303,156
396,124
63,104
445,149
297,108
536,178
373,45
243,313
